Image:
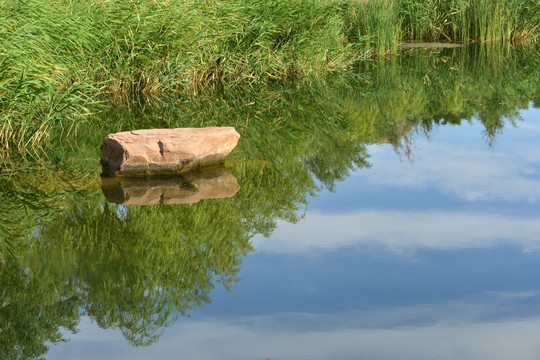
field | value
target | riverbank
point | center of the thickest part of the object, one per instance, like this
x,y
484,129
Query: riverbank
x,y
60,58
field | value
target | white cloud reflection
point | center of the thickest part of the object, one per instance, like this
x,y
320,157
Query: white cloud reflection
x,y
493,327
402,231
452,331
466,168
458,164
507,340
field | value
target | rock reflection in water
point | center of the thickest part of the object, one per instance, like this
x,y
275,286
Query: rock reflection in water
x,y
207,183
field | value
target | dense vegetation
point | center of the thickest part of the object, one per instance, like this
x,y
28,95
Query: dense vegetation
x,y
288,75
58,58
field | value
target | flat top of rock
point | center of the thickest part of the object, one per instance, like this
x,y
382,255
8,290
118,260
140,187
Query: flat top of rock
x,y
175,133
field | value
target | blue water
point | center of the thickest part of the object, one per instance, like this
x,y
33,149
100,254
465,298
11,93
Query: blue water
x,y
435,256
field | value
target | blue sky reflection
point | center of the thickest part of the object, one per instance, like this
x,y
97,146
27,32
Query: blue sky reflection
x,y
434,258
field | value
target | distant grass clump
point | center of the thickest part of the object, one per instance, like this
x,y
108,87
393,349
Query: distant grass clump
x,y
471,20
59,57
374,25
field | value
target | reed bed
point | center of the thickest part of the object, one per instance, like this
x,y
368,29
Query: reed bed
x,y
59,58
471,20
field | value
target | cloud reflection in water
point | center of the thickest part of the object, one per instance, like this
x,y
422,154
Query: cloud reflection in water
x,y
465,295
452,330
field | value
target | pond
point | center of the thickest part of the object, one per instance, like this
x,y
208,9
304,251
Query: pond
x,y
389,213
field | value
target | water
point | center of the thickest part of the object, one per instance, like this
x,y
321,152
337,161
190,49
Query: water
x,y
415,240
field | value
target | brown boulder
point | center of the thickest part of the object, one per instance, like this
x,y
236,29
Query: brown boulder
x,y
165,151
212,182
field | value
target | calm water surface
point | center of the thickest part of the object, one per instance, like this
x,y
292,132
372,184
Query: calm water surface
x,y
433,257
419,240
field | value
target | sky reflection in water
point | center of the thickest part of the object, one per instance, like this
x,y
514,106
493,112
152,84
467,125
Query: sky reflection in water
x,y
433,257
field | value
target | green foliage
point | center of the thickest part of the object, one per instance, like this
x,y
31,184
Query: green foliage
x,y
471,20
425,20
484,20
31,106
374,25
488,83
136,268
58,58
33,310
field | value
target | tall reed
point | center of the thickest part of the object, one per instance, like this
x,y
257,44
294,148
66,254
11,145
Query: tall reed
x,y
424,20
470,20
59,57
56,57
374,25
484,20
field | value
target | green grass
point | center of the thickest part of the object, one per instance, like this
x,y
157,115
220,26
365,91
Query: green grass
x,y
471,20
374,26
58,58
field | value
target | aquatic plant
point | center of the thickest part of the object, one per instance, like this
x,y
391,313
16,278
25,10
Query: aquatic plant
x,y
57,58
471,20
373,26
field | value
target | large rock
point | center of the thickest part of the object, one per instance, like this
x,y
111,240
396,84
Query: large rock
x,y
211,182
165,151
